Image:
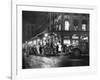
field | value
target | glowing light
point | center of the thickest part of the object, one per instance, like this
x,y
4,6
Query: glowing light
x,y
34,42
46,34
67,25
44,38
38,40
84,27
68,42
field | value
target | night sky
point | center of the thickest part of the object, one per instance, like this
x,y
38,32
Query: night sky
x,y
33,23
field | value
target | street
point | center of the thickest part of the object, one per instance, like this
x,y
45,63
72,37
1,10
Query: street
x,y
55,61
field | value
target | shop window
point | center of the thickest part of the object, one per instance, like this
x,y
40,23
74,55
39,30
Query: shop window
x,y
75,42
75,36
67,42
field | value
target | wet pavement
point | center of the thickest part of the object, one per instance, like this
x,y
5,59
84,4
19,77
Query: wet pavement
x,y
55,61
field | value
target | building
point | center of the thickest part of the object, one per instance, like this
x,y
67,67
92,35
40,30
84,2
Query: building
x,y
73,29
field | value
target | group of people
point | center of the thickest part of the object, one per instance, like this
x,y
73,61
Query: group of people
x,y
51,46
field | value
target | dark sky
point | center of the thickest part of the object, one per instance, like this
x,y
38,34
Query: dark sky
x,y
33,23
34,17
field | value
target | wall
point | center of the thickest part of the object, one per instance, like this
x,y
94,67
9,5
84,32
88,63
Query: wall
x,y
5,37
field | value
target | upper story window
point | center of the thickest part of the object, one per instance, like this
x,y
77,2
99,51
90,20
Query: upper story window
x,y
84,25
76,25
67,25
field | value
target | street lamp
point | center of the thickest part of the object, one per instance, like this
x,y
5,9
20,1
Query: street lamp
x,y
46,34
